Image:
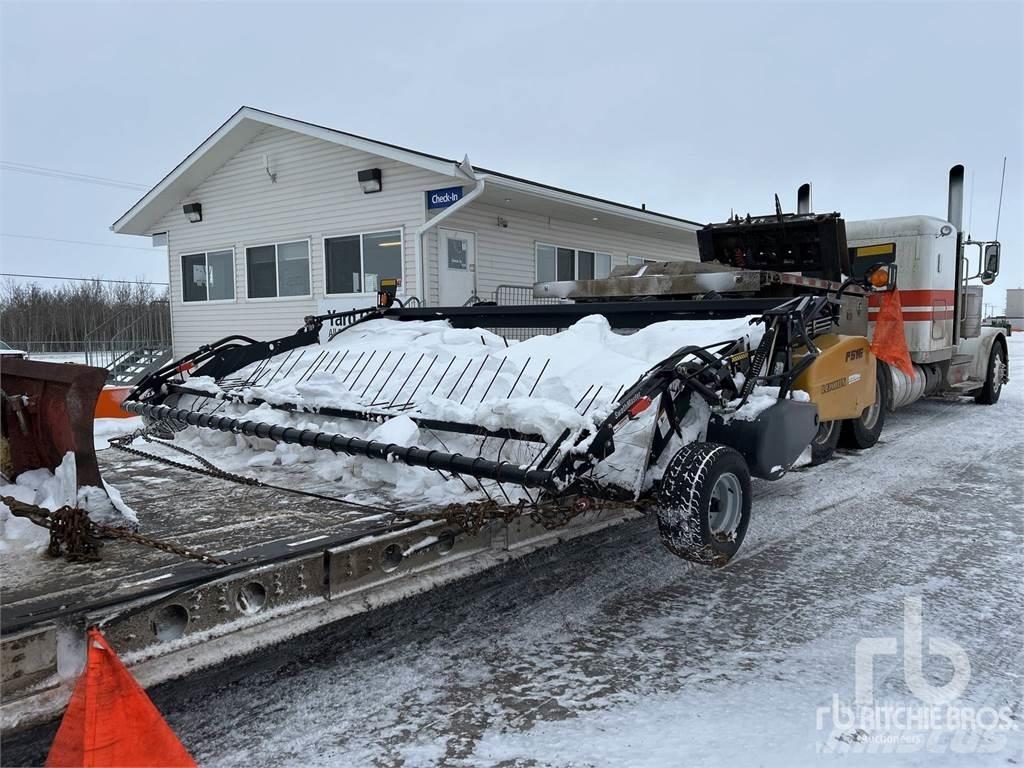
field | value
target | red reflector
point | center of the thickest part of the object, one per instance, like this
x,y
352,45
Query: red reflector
x,y
186,367
639,407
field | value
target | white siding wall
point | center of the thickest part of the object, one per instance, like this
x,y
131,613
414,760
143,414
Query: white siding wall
x,y
316,195
506,255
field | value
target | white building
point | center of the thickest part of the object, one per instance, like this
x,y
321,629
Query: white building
x,y
271,219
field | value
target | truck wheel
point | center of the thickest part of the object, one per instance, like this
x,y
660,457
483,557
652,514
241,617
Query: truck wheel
x,y
989,394
704,503
825,441
864,431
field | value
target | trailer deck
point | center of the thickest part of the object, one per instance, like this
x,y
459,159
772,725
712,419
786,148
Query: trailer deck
x,y
293,564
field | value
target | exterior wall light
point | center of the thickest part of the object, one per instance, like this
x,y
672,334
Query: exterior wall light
x,y
369,180
193,212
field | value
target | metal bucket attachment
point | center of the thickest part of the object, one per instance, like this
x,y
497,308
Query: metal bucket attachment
x,y
47,410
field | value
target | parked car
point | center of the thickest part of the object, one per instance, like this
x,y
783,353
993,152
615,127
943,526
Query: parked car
x,y
6,350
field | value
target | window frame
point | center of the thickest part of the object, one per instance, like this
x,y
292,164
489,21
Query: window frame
x,y
277,271
575,259
362,259
206,261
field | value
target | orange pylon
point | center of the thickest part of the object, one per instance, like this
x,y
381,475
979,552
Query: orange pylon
x,y
111,722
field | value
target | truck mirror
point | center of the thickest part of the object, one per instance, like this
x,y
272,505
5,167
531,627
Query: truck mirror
x,y
991,268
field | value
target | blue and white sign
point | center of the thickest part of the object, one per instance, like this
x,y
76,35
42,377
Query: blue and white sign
x,y
442,198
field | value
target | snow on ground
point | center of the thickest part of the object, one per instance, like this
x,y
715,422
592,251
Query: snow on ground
x,y
608,651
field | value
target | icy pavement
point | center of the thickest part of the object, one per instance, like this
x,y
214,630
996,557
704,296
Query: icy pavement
x,y
608,651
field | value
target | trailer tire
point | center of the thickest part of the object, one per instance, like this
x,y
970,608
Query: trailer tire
x,y
989,394
864,431
703,506
825,441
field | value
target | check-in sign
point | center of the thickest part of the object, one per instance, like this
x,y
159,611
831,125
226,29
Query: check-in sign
x,y
442,198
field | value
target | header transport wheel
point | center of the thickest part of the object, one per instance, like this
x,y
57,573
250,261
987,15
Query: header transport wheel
x,y
703,505
864,431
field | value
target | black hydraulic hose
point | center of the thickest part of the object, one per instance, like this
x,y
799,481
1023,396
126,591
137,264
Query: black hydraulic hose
x,y
500,471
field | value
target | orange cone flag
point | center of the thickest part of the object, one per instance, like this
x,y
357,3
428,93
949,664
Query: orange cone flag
x,y
111,721
889,341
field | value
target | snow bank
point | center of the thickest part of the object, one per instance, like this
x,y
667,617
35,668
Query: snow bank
x,y
53,490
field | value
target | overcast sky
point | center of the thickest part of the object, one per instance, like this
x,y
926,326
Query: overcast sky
x,y
692,109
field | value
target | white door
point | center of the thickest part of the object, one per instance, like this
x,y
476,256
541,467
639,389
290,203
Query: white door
x,y
457,266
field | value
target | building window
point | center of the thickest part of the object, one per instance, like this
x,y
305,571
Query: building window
x,y
357,263
276,270
208,276
556,262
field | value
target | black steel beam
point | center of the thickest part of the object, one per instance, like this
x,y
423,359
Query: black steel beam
x,y
485,469
620,314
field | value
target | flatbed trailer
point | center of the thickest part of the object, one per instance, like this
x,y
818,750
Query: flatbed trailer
x,y
292,564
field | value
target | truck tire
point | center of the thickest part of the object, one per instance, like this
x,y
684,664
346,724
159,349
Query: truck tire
x,y
989,394
864,431
703,506
825,441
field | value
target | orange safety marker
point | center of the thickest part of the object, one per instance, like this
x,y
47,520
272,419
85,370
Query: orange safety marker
x,y
111,721
108,405
889,341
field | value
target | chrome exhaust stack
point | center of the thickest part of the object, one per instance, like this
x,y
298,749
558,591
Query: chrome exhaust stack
x,y
803,198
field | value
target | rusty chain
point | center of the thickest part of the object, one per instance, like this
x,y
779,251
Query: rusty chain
x,y
468,516
77,538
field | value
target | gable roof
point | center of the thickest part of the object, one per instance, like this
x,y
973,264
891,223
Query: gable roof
x,y
221,145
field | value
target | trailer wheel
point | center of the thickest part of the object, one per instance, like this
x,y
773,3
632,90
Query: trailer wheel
x,y
864,431
989,394
825,441
704,503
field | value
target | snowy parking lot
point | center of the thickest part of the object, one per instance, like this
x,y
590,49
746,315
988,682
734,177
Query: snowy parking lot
x,y
873,617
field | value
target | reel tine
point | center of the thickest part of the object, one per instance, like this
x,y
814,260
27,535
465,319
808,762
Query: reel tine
x,y
406,380
516,382
417,387
584,397
390,375
539,376
336,367
379,367
459,380
298,360
591,403
475,377
493,379
358,375
438,384
354,366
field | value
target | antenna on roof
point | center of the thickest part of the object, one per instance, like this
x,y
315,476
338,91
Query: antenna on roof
x,y
999,210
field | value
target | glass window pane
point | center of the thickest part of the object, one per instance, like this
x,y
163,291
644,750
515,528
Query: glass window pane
x,y
293,268
193,277
602,265
566,264
343,270
545,263
585,265
220,275
382,258
261,274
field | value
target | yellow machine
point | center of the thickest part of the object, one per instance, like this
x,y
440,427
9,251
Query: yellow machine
x,y
841,382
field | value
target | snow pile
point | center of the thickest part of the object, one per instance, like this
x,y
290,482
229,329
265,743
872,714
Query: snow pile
x,y
545,385
53,490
